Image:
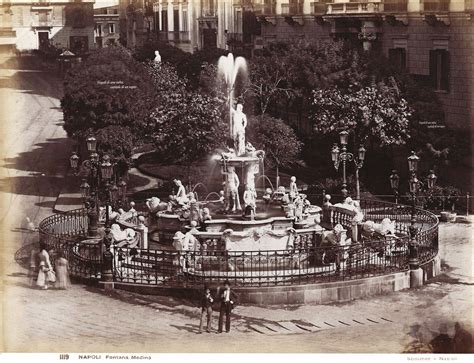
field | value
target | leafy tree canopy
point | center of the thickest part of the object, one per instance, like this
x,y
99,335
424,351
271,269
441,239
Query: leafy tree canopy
x,y
109,88
376,113
190,126
276,138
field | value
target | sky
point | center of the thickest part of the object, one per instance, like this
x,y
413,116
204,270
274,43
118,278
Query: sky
x,y
104,3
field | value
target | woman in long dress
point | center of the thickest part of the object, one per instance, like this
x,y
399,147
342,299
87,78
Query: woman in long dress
x,y
43,279
62,272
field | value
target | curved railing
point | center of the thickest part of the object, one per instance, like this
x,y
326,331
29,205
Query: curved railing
x,y
307,260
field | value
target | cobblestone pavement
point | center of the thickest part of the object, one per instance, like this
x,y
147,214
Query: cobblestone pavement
x,y
85,319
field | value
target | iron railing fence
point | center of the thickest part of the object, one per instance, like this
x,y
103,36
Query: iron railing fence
x,y
62,233
307,261
434,203
261,268
73,223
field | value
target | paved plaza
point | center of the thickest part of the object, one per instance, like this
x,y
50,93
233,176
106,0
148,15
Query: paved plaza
x,y
83,318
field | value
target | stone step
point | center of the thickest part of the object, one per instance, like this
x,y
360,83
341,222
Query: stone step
x,y
275,328
291,327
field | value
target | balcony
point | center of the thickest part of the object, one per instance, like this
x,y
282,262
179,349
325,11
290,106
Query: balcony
x,y
42,23
354,7
436,6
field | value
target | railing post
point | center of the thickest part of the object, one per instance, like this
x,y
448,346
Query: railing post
x,y
416,273
107,258
143,230
92,227
327,210
413,249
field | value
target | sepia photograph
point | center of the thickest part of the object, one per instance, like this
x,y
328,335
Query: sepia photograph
x,y
236,176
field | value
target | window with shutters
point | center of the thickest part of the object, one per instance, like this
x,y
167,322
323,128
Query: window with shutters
x,y
439,69
398,57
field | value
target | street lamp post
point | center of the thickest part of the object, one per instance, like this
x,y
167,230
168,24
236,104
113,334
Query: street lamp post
x,y
414,183
342,155
394,184
98,184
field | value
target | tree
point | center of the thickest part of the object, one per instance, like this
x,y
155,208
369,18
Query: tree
x,y
376,113
276,138
287,73
190,126
268,80
109,88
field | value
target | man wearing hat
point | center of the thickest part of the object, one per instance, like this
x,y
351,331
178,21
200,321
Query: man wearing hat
x,y
206,308
228,300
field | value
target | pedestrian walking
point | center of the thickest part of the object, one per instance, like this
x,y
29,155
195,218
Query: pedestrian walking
x,y
206,309
62,272
228,300
462,340
45,272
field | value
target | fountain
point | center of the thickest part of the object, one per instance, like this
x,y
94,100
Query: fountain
x,y
229,68
238,215
251,236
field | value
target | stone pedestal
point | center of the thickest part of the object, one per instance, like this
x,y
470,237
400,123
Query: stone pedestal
x,y
143,230
416,278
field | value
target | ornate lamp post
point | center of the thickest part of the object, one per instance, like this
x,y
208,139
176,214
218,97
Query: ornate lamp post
x,y
97,186
342,155
431,180
122,191
394,184
414,183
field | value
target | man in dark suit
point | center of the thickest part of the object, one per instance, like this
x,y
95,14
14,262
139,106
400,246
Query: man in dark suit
x,y
206,309
228,300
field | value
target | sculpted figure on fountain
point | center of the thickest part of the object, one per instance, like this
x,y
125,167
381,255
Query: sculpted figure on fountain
x,y
239,123
250,200
232,187
181,196
293,188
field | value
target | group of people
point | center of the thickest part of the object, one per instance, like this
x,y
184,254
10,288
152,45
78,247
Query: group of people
x,y
227,300
42,274
442,343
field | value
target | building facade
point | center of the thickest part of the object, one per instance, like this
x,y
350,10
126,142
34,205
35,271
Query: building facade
x,y
106,28
30,25
432,39
187,24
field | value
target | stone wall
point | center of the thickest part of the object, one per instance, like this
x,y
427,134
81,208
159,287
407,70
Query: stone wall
x,y
324,293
